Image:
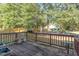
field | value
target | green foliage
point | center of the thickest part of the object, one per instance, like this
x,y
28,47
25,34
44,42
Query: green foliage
x,y
34,16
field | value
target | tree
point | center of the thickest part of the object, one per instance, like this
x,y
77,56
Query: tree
x,y
36,16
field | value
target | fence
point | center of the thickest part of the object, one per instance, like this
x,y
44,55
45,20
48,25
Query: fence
x,y
11,37
63,40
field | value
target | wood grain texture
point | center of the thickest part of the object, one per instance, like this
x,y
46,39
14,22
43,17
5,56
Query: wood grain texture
x,y
36,49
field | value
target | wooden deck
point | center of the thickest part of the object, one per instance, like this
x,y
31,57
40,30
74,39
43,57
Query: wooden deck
x,y
35,49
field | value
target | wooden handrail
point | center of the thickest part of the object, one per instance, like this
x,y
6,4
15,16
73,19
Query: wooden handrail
x,y
58,34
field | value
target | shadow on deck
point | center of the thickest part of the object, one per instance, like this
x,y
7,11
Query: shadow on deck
x,y
35,49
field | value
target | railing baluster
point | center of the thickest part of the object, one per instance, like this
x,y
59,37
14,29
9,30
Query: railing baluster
x,y
50,39
16,36
26,35
63,40
58,39
36,36
72,42
10,37
55,39
1,37
6,38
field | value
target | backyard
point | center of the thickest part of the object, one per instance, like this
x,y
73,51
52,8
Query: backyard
x,y
44,25
36,45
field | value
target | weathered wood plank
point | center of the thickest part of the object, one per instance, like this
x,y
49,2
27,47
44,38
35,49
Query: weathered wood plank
x,y
27,49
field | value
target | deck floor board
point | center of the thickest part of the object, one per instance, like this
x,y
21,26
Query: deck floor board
x,y
30,49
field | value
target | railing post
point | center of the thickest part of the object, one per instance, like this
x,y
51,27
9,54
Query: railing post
x,y
50,39
15,36
67,47
1,38
76,43
36,37
26,35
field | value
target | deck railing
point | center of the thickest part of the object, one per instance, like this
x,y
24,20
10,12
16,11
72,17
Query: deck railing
x,y
62,40
50,38
7,38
